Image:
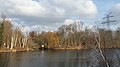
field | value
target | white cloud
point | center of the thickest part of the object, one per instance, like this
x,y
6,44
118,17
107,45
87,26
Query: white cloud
x,y
77,24
91,27
116,12
22,7
38,28
46,12
116,9
80,8
68,21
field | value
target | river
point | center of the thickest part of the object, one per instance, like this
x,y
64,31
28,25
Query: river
x,y
60,58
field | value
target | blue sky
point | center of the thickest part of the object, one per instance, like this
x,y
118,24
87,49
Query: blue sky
x,y
103,6
48,15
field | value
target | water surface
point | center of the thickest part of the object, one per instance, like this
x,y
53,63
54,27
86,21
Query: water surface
x,y
59,58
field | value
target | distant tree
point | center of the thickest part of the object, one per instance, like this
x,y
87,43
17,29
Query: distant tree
x,y
33,34
1,33
117,38
7,32
52,39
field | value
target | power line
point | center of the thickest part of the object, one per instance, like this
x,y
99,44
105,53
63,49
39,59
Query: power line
x,y
108,21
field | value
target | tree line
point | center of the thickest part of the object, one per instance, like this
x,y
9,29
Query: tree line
x,y
73,37
66,37
12,37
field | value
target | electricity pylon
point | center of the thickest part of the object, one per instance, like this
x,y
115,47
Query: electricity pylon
x,y
108,21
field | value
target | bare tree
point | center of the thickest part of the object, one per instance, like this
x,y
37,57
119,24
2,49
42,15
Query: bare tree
x,y
98,47
7,33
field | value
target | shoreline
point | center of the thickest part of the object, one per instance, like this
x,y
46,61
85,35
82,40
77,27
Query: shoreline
x,y
83,48
30,49
15,50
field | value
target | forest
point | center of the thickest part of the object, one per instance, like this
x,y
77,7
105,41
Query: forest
x,y
70,36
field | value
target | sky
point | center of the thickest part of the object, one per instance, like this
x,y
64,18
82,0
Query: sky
x,y
48,15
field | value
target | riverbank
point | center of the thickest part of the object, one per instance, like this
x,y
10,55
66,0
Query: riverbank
x,y
30,49
16,50
67,48
80,48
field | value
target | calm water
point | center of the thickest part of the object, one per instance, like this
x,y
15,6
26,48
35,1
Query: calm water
x,y
61,58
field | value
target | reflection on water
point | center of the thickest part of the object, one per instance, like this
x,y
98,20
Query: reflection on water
x,y
66,58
